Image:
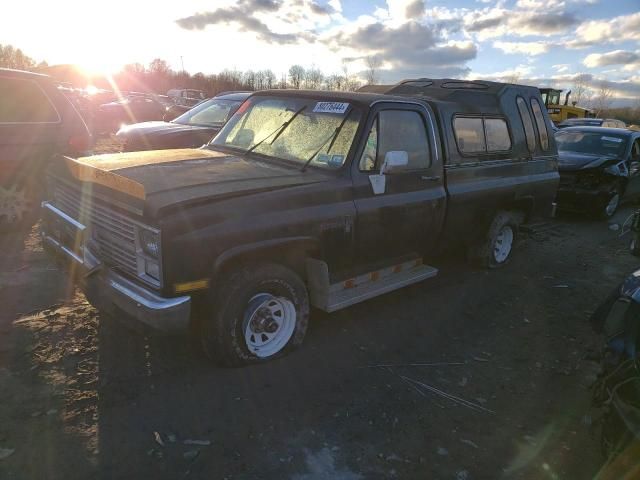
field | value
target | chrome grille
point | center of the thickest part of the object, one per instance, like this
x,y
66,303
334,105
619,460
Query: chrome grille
x,y
112,235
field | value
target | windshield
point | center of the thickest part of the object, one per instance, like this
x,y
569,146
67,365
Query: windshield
x,y
296,129
212,113
591,142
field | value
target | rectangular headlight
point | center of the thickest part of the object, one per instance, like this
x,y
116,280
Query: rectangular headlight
x,y
150,242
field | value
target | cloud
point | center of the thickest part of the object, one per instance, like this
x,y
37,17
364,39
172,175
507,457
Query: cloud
x,y
336,5
616,57
497,22
626,91
415,9
597,32
408,50
527,48
254,16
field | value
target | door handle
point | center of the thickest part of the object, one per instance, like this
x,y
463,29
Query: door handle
x,y
434,178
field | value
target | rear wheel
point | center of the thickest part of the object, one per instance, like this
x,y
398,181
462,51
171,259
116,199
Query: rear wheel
x,y
259,313
496,247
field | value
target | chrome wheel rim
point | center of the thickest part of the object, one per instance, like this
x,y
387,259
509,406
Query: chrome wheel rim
x,y
612,206
269,323
503,244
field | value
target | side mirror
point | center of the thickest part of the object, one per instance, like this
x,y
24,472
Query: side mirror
x,y
393,160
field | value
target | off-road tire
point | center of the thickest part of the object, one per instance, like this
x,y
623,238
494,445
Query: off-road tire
x,y
482,253
222,336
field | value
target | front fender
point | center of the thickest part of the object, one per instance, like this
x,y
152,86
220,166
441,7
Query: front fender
x,y
276,248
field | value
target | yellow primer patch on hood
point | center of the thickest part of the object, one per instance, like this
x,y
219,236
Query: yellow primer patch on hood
x,y
100,169
117,161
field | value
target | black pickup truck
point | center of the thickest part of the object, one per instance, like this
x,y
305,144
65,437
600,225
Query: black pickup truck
x,y
304,198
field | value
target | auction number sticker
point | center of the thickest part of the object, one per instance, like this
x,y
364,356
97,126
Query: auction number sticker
x,y
330,107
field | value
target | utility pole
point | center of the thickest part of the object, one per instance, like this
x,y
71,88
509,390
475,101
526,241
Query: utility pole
x,y
182,63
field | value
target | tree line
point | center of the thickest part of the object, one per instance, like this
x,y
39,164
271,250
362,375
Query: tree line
x,y
158,77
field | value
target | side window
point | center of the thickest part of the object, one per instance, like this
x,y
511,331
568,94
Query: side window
x,y
481,135
497,133
23,101
469,134
542,126
527,123
397,130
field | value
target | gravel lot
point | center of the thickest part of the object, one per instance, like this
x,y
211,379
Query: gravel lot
x,y
83,397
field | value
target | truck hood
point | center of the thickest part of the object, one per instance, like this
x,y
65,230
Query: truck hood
x,y
572,161
171,178
161,129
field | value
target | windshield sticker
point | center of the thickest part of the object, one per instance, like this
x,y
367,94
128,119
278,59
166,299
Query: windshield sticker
x,y
323,158
330,107
336,160
612,139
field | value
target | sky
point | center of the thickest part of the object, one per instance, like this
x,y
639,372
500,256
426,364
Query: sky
x,y
539,42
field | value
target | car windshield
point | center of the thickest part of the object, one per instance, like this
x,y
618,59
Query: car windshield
x,y
591,142
295,129
212,113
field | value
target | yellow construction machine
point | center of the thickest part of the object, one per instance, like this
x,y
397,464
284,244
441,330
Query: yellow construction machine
x,y
560,112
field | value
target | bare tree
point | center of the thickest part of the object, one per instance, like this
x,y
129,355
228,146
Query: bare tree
x,y
513,77
602,98
296,75
581,89
371,73
11,57
269,79
313,78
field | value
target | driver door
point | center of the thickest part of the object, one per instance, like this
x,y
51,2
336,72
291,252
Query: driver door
x,y
407,216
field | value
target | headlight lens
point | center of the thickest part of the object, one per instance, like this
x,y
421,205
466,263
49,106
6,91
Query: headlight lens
x,y
150,243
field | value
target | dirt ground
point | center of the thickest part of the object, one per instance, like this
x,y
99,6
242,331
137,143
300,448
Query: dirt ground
x,y
83,397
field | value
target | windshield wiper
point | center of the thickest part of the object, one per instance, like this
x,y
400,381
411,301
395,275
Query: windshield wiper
x,y
279,131
331,137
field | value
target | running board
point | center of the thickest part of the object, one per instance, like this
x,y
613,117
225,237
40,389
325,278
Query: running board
x,y
332,297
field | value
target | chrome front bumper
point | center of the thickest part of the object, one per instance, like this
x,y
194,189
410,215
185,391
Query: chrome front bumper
x,y
105,289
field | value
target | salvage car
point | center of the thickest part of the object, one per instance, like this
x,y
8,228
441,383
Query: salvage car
x,y
617,389
599,168
592,122
192,129
37,121
304,198
131,109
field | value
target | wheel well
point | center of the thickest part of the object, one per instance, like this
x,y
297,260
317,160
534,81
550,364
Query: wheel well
x,y
524,205
290,255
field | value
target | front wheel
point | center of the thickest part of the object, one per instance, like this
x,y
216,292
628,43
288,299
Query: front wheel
x,y
610,206
17,207
259,313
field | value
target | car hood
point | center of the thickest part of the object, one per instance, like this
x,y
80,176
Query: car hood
x,y
160,128
163,179
572,161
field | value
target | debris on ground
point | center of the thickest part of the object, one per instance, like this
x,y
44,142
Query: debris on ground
x,y
201,443
191,454
158,439
6,452
469,442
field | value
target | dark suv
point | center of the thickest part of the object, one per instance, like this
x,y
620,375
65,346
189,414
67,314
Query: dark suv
x,y
36,122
